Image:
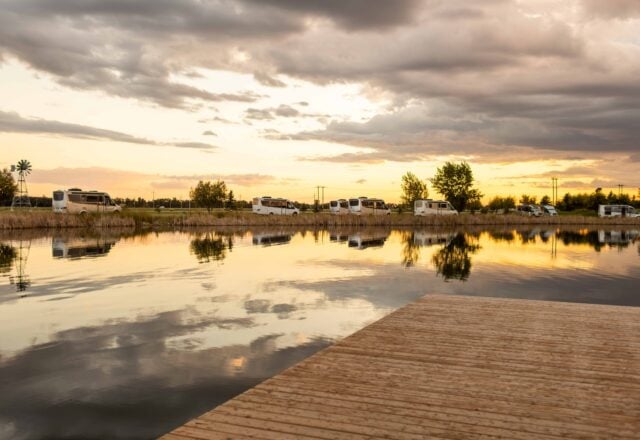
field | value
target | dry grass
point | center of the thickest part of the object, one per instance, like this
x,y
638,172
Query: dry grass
x,y
49,220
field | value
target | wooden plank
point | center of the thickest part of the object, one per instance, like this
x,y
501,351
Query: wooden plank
x,y
451,367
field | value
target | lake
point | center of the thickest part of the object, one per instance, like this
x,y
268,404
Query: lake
x,y
127,335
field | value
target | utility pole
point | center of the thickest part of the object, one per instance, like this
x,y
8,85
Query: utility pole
x,y
316,197
620,188
554,190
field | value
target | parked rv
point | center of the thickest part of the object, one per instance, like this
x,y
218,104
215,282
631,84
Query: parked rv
x,y
433,207
75,200
617,211
530,210
367,206
338,207
272,206
549,210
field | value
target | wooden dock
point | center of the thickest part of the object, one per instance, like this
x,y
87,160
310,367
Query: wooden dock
x,y
452,367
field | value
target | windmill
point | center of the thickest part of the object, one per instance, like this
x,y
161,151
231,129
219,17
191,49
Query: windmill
x,y
21,199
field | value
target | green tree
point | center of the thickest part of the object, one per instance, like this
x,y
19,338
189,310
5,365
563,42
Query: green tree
x,y
503,203
231,201
413,189
455,182
546,200
8,186
526,199
209,194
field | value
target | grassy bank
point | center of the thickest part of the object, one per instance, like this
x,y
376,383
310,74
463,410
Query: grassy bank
x,y
150,219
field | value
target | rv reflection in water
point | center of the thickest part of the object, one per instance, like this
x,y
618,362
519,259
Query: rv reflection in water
x,y
81,247
364,240
270,239
431,239
618,237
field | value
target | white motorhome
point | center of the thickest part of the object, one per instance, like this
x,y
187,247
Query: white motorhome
x,y
273,206
549,210
367,206
617,211
530,210
338,207
75,200
433,207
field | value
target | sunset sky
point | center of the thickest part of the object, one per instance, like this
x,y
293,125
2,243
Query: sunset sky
x,y
146,97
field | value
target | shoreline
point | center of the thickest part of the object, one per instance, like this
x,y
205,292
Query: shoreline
x,y
143,220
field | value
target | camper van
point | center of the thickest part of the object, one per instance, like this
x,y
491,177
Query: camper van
x,y
367,206
530,210
433,207
617,211
549,210
338,207
75,200
272,206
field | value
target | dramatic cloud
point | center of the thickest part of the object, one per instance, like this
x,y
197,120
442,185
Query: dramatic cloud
x,y
479,80
14,123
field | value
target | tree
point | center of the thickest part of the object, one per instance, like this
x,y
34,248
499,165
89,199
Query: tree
x,y
455,183
231,201
502,203
8,186
413,189
546,200
528,200
209,194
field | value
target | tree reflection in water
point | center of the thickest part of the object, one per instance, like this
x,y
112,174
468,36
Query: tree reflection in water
x,y
410,249
453,261
209,247
7,255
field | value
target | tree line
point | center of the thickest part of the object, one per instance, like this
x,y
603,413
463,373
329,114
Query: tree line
x,y
455,182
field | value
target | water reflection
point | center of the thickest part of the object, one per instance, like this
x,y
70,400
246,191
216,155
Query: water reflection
x,y
140,338
453,261
368,239
68,247
271,238
211,247
7,255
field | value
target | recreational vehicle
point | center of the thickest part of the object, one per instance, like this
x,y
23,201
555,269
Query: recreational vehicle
x,y
617,211
548,210
340,206
75,200
530,210
272,206
367,206
433,207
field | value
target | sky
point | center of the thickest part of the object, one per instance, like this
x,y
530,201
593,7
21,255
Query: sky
x,y
275,97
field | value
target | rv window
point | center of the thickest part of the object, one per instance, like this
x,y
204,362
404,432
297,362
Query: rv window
x,y
367,203
290,206
334,204
76,198
58,196
94,199
443,206
256,201
344,204
418,204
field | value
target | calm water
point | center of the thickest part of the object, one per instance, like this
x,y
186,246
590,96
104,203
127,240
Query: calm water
x,y
128,336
